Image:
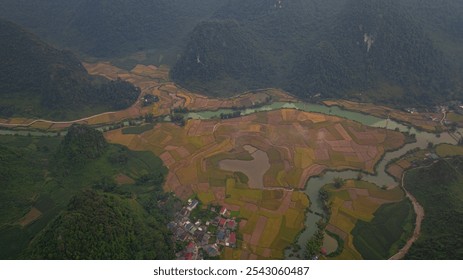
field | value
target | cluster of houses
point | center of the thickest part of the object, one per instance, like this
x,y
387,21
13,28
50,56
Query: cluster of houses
x,y
149,99
203,237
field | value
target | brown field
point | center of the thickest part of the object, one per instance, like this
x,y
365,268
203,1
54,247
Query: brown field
x,y
421,120
192,152
298,145
33,215
397,168
122,179
153,80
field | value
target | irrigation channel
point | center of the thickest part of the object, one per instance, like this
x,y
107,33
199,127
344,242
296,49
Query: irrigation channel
x,y
313,186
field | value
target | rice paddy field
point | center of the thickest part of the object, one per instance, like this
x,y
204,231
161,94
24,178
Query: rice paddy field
x,y
297,145
446,150
398,167
256,165
155,81
371,221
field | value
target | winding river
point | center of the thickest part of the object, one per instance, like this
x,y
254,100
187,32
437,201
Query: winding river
x,y
313,185
380,178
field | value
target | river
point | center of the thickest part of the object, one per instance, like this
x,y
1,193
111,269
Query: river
x,y
313,185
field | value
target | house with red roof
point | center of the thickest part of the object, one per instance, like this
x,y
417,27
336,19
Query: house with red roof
x,y
190,247
232,239
222,222
231,224
188,256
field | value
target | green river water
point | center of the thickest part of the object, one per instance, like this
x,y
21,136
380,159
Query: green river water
x,y
313,185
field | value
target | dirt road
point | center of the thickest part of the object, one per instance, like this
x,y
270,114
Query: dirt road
x,y
419,211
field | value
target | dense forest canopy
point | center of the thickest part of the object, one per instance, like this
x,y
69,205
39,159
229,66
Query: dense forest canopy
x,y
39,80
385,51
103,226
61,199
438,188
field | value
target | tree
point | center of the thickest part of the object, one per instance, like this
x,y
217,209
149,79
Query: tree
x,y
430,145
338,182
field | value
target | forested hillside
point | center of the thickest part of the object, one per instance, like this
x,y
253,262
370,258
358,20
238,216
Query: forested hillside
x,y
367,50
79,197
439,189
384,51
99,225
372,45
41,81
224,58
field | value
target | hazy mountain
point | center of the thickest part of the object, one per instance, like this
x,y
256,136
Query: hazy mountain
x,y
222,57
374,44
108,28
39,80
368,50
385,51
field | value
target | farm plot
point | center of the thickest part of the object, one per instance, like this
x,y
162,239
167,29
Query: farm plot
x,y
294,144
361,203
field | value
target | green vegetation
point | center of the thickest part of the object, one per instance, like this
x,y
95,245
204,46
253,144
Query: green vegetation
x,y
386,233
41,176
204,214
447,150
81,144
137,129
439,189
315,243
103,226
340,242
397,52
37,80
337,49
338,182
220,58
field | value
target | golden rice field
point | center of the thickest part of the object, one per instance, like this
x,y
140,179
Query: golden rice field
x,y
298,145
354,201
447,150
153,80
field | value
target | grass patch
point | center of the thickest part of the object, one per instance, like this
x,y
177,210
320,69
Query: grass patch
x,y
375,239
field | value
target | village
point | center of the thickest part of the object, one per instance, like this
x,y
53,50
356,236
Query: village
x,y
203,233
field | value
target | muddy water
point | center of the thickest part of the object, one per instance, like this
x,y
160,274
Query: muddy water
x,y
254,169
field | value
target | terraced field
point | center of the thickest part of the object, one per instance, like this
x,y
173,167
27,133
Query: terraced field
x,y
359,211
155,81
298,145
289,147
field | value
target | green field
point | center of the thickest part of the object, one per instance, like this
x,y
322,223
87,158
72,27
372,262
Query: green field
x,y
447,150
386,233
137,129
